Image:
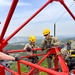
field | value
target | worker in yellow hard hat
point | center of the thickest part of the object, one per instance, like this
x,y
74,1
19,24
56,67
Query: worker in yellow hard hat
x,y
32,59
4,60
69,44
46,32
49,42
71,41
32,39
49,39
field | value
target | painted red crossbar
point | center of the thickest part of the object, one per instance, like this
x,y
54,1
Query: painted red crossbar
x,y
64,67
28,20
4,42
54,51
21,50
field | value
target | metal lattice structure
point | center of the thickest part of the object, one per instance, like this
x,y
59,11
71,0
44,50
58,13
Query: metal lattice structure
x,y
55,51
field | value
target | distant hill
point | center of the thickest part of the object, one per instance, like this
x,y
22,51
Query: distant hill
x,y
19,42
67,39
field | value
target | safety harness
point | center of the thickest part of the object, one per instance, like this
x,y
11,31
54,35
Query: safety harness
x,y
34,58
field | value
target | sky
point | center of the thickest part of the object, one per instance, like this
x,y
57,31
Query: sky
x,y
45,19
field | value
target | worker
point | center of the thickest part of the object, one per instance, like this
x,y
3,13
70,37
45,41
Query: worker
x,y
32,59
71,60
73,45
4,56
69,55
49,42
4,61
65,53
65,50
69,44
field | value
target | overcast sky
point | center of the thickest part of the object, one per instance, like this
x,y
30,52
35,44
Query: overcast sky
x,y
45,19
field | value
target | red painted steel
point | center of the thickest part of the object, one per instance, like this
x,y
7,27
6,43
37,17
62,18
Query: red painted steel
x,y
11,11
62,2
49,71
14,51
40,61
11,71
62,62
2,70
58,57
56,63
33,55
52,51
28,20
38,67
19,68
2,45
68,10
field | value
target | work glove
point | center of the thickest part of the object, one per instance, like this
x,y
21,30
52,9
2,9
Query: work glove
x,y
17,58
42,48
28,49
49,46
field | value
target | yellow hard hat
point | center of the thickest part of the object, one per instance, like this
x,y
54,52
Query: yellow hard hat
x,y
32,39
71,40
46,32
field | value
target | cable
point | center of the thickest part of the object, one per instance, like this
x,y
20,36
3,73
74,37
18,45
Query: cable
x,y
64,12
58,19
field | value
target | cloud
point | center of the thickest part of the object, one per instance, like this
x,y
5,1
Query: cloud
x,y
45,18
8,3
24,4
52,12
4,3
